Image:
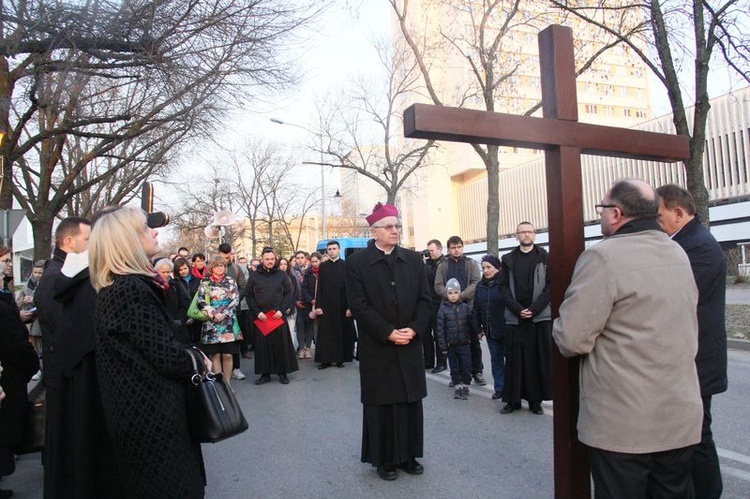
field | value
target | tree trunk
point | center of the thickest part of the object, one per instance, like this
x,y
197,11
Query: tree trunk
x,y
6,196
493,198
41,228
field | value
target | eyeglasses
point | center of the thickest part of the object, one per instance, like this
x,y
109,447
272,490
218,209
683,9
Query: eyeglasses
x,y
389,228
601,207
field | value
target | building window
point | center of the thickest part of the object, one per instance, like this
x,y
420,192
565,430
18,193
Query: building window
x,y
591,109
626,112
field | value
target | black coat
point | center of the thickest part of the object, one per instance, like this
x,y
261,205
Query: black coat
x,y
19,362
454,325
178,302
143,373
309,286
709,270
489,308
388,292
83,462
49,312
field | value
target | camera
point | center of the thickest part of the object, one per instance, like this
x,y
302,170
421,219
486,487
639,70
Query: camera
x,y
425,253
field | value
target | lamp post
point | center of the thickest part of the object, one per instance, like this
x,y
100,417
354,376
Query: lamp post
x,y
322,175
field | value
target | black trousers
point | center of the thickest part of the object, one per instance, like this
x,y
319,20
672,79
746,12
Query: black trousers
x,y
706,473
476,355
656,475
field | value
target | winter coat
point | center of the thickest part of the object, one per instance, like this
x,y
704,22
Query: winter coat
x,y
220,297
454,325
541,290
388,292
143,374
489,308
19,363
709,270
473,275
49,312
269,290
629,312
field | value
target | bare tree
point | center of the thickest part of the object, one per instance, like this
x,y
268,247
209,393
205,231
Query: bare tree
x,y
482,44
124,77
361,131
671,37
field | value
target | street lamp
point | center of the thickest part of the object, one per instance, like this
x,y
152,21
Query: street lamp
x,y
322,174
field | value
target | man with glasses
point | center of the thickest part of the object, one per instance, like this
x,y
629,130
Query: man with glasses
x,y
527,341
390,299
466,271
630,313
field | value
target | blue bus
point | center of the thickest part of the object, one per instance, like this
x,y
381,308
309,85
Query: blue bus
x,y
348,245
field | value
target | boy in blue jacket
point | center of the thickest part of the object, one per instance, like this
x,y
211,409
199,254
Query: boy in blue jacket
x,y
454,330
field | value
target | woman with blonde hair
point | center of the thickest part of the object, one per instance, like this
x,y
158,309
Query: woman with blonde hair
x,y
142,367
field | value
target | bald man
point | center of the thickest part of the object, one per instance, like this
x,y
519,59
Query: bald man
x,y
629,312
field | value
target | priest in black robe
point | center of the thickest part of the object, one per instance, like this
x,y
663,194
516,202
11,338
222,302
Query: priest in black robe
x,y
334,344
390,300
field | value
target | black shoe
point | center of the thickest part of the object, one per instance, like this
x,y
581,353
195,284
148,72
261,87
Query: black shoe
x,y
507,409
264,378
438,369
340,364
536,409
283,379
412,467
5,493
387,472
323,366
496,395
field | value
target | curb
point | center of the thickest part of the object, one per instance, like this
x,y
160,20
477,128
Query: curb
x,y
738,344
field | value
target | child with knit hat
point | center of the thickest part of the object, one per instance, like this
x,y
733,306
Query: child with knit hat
x,y
454,330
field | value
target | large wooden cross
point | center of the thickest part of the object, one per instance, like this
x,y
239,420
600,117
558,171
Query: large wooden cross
x,y
563,139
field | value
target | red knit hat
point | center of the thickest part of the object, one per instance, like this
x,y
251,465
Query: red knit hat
x,y
381,211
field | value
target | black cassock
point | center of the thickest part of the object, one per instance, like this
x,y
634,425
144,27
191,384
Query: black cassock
x,y
336,335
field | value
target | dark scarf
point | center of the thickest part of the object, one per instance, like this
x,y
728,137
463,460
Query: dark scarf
x,y
160,282
638,225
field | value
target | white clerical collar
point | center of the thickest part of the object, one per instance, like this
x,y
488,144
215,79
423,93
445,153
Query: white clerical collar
x,y
384,251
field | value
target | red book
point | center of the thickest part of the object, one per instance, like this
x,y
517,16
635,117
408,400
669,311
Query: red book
x,y
269,325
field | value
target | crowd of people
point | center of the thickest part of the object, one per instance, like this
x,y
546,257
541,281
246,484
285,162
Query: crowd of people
x,y
115,373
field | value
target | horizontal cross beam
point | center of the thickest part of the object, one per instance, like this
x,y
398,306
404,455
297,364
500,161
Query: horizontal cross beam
x,y
423,121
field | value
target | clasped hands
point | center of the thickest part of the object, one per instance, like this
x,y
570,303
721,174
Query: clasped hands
x,y
402,336
264,317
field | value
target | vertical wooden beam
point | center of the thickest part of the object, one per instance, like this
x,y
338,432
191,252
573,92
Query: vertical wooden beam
x,y
565,215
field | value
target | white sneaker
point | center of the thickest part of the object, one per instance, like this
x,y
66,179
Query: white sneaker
x,y
237,374
37,376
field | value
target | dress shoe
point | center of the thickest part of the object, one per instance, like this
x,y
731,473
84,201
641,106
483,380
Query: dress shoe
x,y
387,472
340,364
536,409
507,409
496,395
265,378
5,493
283,379
323,366
438,369
412,467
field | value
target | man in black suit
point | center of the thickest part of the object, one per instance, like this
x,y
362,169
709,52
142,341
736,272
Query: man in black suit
x,y
678,219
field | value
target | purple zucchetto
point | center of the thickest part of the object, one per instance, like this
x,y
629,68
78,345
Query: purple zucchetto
x,y
381,211
492,260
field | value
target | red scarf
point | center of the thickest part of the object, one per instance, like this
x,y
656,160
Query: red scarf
x,y
315,270
197,273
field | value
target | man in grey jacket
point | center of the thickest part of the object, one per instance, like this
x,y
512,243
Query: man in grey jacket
x,y
630,312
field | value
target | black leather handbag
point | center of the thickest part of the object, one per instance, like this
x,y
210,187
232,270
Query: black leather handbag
x,y
213,411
